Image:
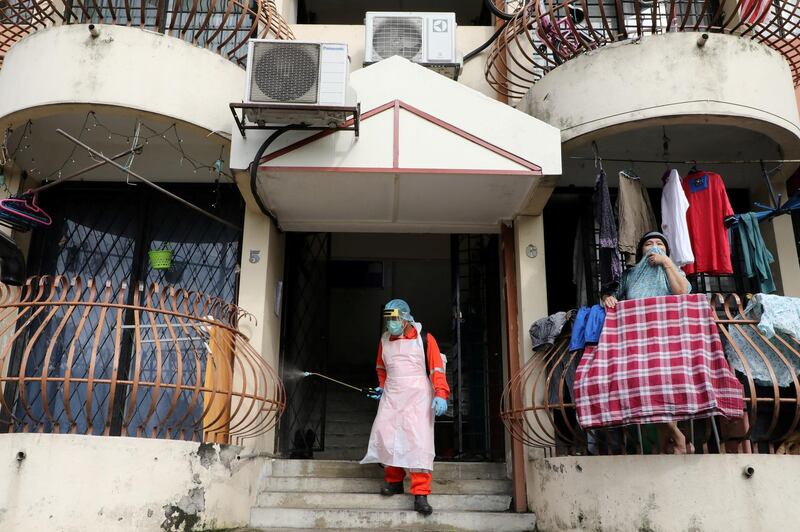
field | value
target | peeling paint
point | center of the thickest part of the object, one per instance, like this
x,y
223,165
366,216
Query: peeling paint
x,y
211,453
207,454
185,514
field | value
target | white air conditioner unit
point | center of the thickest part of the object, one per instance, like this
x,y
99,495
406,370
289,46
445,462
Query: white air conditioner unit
x,y
291,82
425,38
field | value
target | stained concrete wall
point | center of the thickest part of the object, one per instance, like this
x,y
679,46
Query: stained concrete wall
x,y
665,493
74,483
668,77
124,67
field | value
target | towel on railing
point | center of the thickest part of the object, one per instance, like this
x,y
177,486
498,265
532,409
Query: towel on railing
x,y
659,359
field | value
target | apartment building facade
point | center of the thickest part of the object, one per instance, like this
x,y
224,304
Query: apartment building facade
x,y
465,197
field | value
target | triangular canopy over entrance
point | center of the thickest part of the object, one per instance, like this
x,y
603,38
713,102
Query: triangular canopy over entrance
x,y
433,156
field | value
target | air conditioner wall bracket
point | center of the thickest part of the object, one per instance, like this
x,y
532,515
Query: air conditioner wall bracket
x,y
338,117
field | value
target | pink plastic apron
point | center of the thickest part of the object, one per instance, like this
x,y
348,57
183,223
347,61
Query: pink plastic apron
x,y
402,433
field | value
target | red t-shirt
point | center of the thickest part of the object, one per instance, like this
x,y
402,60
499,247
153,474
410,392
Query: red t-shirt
x,y
708,208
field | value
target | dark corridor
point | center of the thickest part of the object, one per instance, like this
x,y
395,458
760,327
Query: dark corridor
x,y
335,287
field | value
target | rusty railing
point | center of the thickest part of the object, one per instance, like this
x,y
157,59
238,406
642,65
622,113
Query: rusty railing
x,y
155,362
222,26
544,414
544,34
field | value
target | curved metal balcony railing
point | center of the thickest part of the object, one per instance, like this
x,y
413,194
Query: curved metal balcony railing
x,y
152,362
222,26
543,34
537,407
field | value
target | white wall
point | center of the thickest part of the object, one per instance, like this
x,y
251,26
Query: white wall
x,y
531,277
72,483
258,283
123,67
730,80
467,39
707,493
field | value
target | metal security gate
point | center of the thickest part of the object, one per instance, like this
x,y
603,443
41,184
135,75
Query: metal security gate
x,y
476,378
304,343
104,232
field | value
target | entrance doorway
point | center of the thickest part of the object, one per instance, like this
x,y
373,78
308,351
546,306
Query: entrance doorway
x,y
335,287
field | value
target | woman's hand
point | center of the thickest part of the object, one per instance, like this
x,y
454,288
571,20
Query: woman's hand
x,y
609,301
654,259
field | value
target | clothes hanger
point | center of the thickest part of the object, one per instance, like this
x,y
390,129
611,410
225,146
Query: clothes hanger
x,y
630,174
25,207
598,161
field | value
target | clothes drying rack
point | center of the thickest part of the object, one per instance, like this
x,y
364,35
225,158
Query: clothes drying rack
x,y
767,212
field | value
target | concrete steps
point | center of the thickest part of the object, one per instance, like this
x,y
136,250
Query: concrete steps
x,y
375,501
348,421
289,518
300,495
341,454
349,469
373,485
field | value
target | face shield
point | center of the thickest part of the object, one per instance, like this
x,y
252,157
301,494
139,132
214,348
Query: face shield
x,y
393,321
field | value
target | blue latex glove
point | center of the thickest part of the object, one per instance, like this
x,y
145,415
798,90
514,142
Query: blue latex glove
x,y
439,406
377,395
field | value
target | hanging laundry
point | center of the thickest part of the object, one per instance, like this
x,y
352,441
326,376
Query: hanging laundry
x,y
610,265
659,360
544,331
753,348
579,268
587,327
673,219
705,218
635,214
562,379
776,314
757,257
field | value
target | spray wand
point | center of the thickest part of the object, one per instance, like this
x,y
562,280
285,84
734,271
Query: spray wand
x,y
366,391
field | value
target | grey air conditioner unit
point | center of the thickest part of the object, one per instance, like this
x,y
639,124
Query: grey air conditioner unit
x,y
425,38
293,82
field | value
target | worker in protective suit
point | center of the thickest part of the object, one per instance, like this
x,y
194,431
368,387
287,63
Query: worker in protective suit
x,y
411,392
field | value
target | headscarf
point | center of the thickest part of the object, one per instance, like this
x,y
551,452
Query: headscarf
x,y
647,236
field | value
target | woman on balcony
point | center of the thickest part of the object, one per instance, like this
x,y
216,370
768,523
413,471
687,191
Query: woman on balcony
x,y
654,275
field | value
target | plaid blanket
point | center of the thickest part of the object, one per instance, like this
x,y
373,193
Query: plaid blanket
x,y
659,359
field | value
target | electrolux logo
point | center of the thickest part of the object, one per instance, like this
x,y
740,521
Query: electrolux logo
x,y
439,25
